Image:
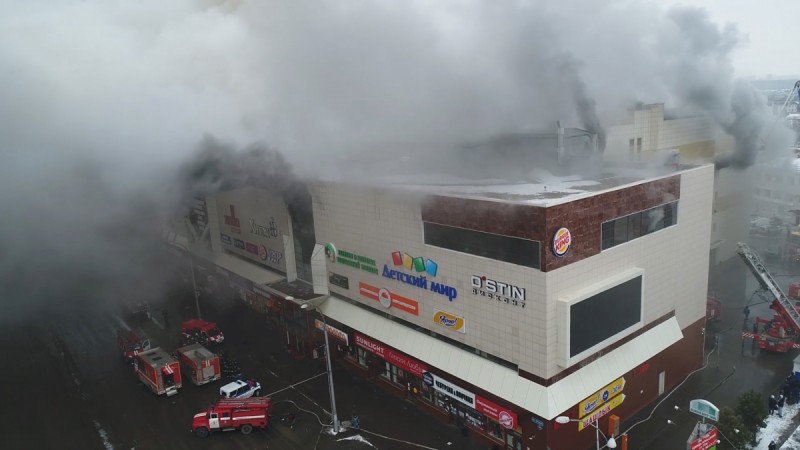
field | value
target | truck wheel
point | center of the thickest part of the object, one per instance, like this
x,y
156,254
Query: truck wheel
x,y
247,428
201,432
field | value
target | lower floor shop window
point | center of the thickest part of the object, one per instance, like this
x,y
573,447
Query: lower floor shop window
x,y
392,373
361,354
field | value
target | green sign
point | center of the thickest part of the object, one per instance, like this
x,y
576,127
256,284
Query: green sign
x,y
704,408
350,259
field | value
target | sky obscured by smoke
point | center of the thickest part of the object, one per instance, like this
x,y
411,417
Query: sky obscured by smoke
x,y
104,101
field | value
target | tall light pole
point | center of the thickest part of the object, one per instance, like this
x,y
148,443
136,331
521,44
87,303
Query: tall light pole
x,y
335,417
194,286
610,441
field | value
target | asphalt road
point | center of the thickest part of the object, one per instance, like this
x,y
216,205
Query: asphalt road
x,y
65,386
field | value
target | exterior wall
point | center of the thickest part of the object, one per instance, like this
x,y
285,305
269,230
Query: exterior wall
x,y
640,389
776,190
257,227
692,136
674,253
373,224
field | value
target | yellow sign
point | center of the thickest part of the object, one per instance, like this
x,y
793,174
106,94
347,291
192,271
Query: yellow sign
x,y
450,321
594,401
605,409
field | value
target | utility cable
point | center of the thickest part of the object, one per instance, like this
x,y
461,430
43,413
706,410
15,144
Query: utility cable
x,y
708,357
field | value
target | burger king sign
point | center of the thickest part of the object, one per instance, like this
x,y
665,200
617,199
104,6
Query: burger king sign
x,y
562,241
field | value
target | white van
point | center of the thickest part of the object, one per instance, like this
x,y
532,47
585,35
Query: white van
x,y
240,389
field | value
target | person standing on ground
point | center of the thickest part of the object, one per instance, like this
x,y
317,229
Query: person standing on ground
x,y
773,405
772,445
746,313
781,402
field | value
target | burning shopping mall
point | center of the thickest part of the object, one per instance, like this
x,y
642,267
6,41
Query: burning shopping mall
x,y
494,306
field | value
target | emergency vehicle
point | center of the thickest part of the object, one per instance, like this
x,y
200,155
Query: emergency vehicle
x,y
159,371
199,364
780,333
231,414
130,343
201,332
240,388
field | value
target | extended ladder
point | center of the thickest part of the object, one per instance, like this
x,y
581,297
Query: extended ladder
x,y
753,261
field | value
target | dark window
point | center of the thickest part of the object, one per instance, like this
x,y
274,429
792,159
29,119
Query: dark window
x,y
632,226
603,315
608,234
620,231
518,251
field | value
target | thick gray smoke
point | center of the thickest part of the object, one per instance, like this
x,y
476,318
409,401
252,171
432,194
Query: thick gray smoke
x,y
104,104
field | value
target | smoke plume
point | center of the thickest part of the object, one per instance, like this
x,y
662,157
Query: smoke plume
x,y
104,104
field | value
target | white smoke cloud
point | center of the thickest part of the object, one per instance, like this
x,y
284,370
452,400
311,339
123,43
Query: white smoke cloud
x,y
102,101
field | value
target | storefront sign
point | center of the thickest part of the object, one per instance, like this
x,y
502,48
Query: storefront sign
x,y
594,401
497,290
335,332
409,365
350,259
259,234
707,442
427,378
233,221
456,393
422,266
338,280
605,409
506,418
562,241
269,230
389,299
449,321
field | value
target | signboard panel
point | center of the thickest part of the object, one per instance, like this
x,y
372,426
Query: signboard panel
x,y
707,442
704,408
596,400
253,224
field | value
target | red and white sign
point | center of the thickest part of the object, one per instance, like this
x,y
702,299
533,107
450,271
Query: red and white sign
x,y
335,332
388,298
706,442
506,418
562,241
404,362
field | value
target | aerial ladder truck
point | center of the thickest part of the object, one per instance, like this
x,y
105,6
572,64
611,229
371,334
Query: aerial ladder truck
x,y
780,333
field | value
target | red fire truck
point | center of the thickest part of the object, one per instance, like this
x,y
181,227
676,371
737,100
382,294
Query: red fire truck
x,y
230,414
199,365
201,332
130,344
159,371
781,332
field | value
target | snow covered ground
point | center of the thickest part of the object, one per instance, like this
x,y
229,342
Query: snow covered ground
x,y
777,427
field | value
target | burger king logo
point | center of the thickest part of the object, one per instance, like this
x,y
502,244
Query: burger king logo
x,y
562,241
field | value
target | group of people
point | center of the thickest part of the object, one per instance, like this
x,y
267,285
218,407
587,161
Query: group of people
x,y
776,405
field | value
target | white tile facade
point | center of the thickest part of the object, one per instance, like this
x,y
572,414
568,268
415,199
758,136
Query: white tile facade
x,y
373,223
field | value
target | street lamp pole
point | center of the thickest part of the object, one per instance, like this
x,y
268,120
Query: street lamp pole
x,y
194,287
334,416
610,441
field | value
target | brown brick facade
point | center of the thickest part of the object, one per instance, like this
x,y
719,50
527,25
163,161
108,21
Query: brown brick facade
x,y
583,217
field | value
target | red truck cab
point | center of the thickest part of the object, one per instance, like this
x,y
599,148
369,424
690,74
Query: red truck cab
x,y
229,414
207,331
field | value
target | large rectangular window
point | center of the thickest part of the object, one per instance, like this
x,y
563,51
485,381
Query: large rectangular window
x,y
638,224
518,251
601,316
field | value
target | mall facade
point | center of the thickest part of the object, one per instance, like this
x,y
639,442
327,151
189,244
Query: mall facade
x,y
494,307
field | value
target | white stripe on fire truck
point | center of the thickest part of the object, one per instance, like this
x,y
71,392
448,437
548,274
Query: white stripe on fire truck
x,y
248,417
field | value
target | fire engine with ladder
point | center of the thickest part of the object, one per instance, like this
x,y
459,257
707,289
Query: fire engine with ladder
x,y
780,333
